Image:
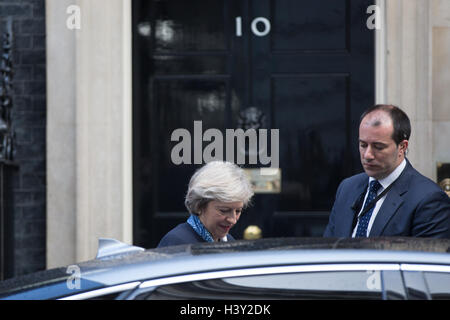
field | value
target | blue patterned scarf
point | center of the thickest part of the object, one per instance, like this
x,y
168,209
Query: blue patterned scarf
x,y
198,227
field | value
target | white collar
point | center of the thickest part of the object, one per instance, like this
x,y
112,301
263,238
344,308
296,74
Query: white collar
x,y
385,182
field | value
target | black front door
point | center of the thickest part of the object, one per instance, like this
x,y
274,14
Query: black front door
x,y
304,67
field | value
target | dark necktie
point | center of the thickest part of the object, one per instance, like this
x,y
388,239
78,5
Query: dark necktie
x,y
364,220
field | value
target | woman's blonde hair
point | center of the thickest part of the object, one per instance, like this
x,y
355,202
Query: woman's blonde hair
x,y
218,180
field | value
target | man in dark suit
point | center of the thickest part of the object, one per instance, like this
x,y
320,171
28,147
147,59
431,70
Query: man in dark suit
x,y
391,198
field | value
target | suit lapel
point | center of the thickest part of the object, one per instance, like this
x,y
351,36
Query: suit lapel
x,y
392,202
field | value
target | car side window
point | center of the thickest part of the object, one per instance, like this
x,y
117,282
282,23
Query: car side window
x,y
438,284
302,285
416,287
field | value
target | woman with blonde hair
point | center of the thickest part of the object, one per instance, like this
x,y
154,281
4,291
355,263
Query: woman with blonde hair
x,y
216,196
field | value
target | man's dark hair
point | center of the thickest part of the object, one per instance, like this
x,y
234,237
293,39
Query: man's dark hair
x,y
400,120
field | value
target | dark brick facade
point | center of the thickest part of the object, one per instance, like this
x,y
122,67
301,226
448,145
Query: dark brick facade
x,y
29,123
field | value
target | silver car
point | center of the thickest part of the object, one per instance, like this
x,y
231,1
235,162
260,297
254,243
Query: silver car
x,y
281,268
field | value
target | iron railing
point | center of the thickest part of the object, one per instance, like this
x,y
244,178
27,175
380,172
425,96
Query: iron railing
x,y
7,165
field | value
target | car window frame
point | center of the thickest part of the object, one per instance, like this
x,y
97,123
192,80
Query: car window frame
x,y
150,285
129,291
98,293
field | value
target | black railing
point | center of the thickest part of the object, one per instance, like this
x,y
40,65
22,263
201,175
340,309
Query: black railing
x,y
7,165
6,130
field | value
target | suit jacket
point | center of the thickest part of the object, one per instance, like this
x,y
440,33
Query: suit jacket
x,y
414,207
183,234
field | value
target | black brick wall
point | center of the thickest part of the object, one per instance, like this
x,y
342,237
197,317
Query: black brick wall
x,y
29,121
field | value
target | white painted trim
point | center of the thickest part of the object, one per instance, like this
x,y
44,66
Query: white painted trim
x,y
380,56
127,137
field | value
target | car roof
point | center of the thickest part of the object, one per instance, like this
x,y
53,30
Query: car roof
x,y
203,257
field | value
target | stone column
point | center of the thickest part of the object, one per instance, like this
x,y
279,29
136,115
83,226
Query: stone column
x,y
89,128
409,74
441,80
